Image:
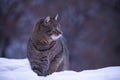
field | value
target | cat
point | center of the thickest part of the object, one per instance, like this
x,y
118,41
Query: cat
x,y
46,49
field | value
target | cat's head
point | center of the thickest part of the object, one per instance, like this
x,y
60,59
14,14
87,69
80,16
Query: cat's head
x,y
49,27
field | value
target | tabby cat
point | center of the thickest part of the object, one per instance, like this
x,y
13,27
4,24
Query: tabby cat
x,y
46,49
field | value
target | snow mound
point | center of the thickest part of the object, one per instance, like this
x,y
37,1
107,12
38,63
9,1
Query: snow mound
x,y
19,69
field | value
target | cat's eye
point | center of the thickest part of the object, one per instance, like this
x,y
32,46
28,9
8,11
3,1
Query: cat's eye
x,y
49,32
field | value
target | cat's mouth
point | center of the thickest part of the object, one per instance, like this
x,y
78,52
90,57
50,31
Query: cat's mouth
x,y
55,37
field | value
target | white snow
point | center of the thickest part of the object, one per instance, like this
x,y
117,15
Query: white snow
x,y
19,69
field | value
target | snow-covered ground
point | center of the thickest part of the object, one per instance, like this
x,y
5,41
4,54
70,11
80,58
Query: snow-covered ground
x,y
19,69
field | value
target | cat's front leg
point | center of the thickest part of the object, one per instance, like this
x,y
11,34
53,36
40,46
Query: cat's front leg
x,y
55,63
40,67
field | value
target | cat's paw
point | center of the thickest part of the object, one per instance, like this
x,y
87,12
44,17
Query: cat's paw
x,y
38,72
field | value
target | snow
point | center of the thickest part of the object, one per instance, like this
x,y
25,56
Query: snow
x,y
19,69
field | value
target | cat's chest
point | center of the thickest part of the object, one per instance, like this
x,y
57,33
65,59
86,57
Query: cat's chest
x,y
57,49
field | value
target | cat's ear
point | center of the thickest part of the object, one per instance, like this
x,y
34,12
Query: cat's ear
x,y
47,19
56,17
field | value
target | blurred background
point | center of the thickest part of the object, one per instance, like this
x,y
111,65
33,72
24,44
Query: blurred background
x,y
91,28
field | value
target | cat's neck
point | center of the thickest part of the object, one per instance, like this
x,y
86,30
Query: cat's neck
x,y
43,46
